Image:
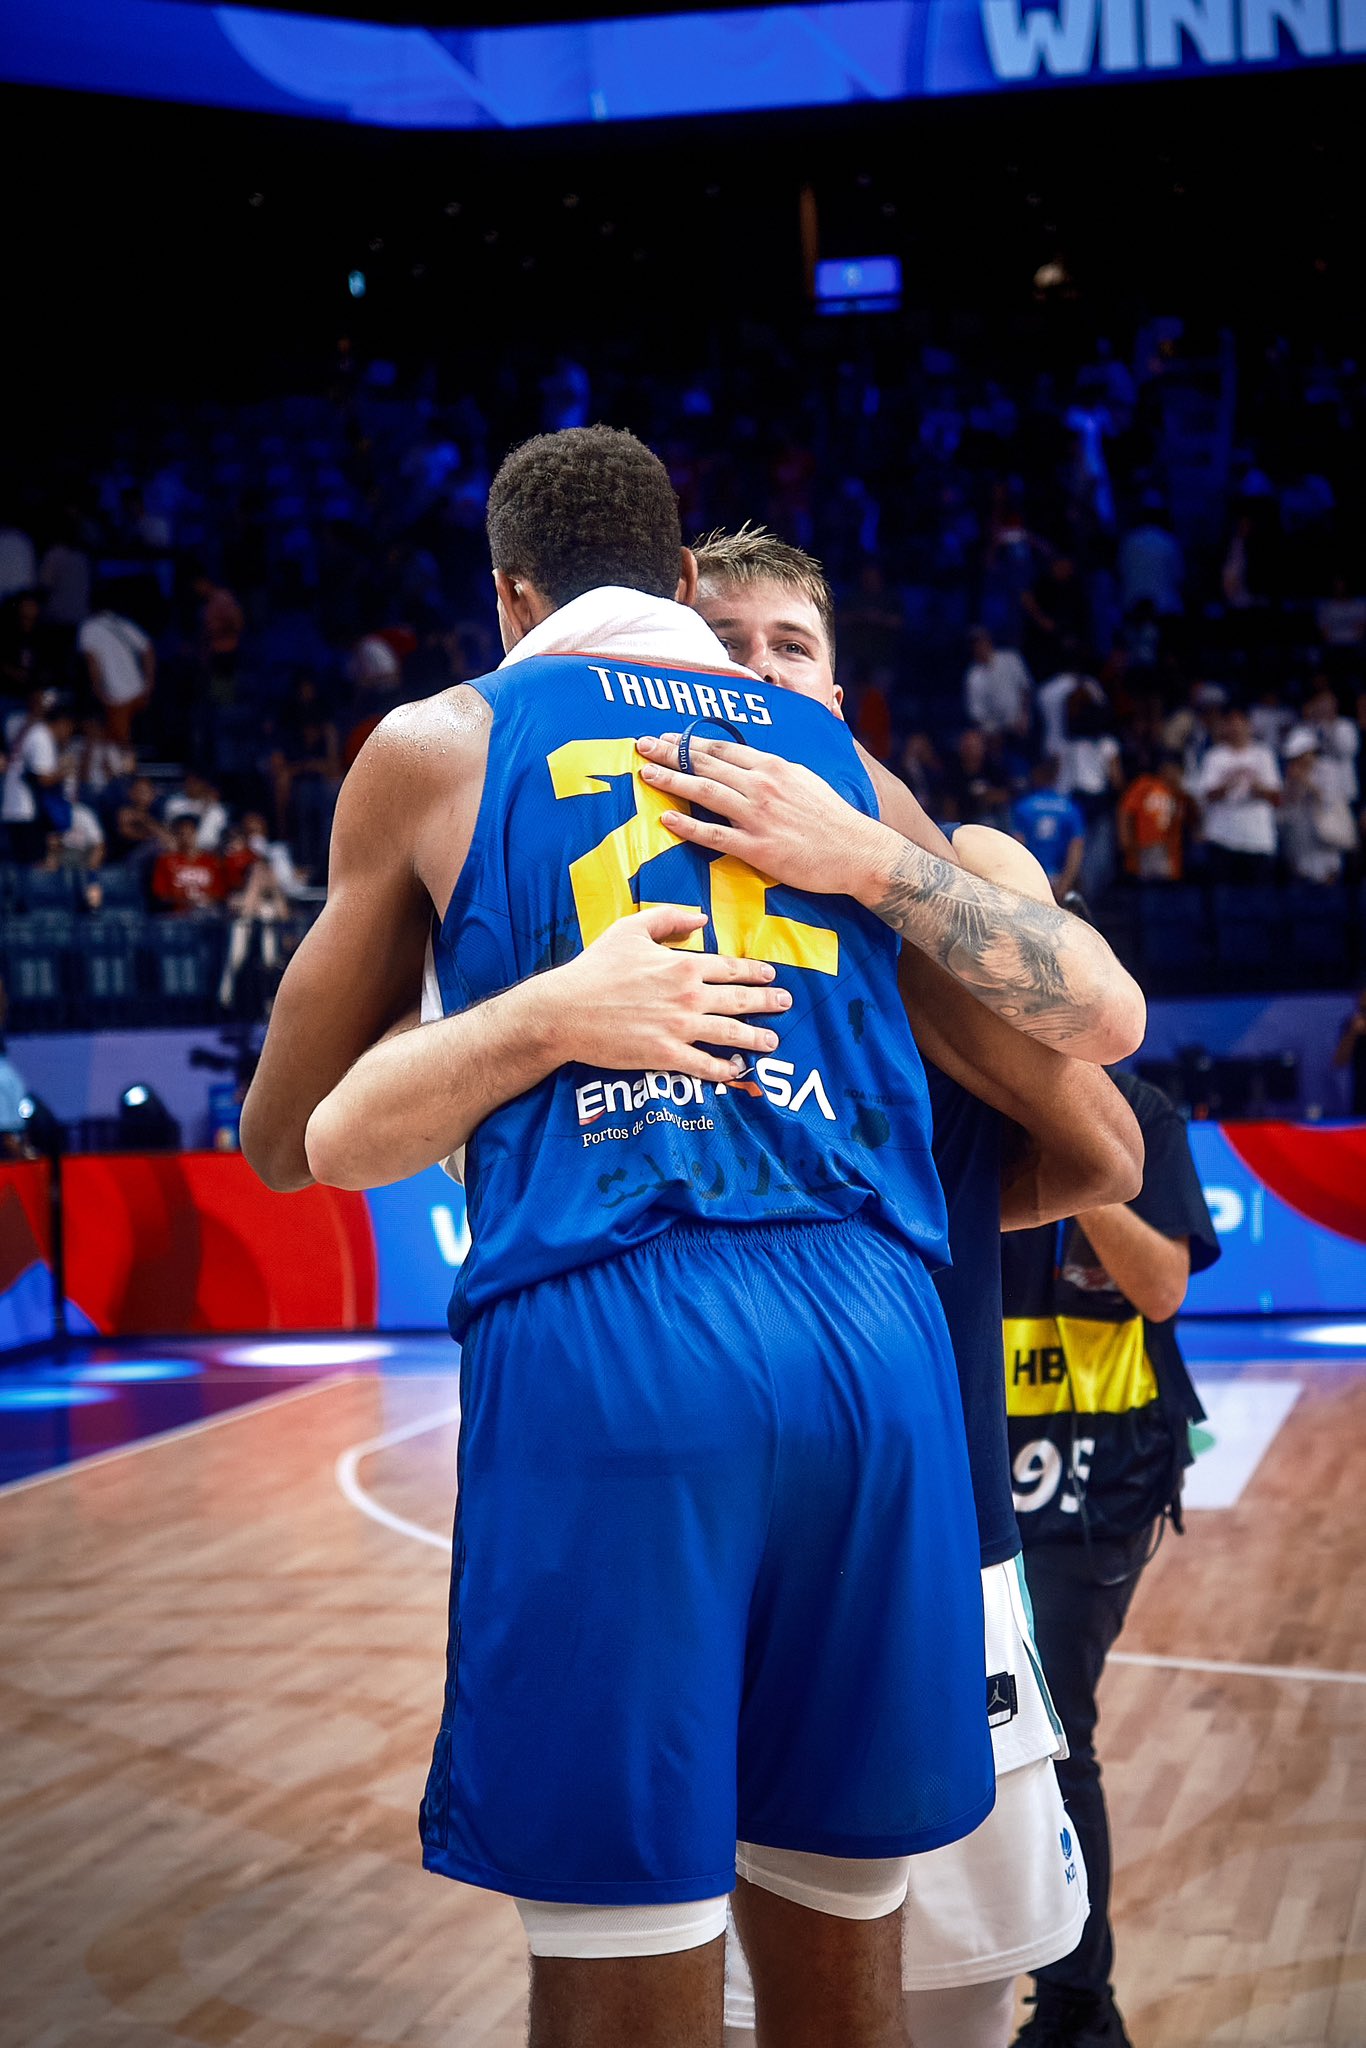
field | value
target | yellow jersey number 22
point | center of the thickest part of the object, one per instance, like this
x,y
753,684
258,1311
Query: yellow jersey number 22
x,y
601,879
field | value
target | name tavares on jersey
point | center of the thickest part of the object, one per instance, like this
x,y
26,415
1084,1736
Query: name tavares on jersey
x,y
688,700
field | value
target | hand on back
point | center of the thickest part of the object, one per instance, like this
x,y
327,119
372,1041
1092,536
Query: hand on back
x,y
635,999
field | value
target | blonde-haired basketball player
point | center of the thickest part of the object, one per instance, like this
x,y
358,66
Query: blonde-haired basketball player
x,y
1012,1895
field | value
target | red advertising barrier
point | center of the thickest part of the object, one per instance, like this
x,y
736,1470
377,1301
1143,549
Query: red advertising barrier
x,y
175,1244
1319,1174
25,1253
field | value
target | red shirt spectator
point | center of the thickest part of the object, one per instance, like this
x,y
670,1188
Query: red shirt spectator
x,y
1155,814
186,878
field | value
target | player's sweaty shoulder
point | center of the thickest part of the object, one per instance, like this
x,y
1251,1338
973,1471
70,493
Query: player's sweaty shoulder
x,y
414,789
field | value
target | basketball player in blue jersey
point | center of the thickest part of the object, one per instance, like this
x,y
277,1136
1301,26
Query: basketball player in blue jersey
x,y
1013,1893
689,1432
1008,1896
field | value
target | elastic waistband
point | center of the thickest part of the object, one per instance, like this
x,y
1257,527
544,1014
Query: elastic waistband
x,y
774,1237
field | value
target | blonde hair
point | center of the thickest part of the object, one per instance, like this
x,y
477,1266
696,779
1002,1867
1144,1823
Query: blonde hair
x,y
753,555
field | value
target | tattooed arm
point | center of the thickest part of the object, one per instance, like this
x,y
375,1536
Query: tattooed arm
x,y
1036,966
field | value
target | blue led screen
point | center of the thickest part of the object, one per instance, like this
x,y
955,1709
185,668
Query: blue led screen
x,y
645,68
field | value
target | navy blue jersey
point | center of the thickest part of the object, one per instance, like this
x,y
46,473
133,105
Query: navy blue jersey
x,y
567,841
967,1152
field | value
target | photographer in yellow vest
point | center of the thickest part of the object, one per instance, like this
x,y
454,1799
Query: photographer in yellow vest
x,y
1099,1402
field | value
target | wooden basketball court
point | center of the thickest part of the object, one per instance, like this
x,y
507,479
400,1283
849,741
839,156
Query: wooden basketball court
x,y
221,1659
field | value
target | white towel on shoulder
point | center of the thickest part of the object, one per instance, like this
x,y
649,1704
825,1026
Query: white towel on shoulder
x,y
629,626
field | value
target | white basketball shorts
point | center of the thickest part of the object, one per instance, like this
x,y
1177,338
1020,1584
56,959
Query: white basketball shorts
x,y
1011,1895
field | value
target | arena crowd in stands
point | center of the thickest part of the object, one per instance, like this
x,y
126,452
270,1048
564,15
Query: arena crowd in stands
x,y
1116,606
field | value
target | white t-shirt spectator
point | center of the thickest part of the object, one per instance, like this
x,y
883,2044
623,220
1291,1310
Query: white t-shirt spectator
x,y
1337,741
1151,565
1086,766
1241,821
997,692
1054,697
65,575
117,646
33,751
17,567
1316,829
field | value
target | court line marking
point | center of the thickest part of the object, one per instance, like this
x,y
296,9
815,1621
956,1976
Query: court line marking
x,y
347,1470
176,1435
1224,1670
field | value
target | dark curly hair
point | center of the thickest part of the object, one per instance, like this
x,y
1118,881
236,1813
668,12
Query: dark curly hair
x,y
584,507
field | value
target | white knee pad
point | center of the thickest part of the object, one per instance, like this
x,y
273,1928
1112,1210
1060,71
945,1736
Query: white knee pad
x,y
963,2015
586,1933
849,1887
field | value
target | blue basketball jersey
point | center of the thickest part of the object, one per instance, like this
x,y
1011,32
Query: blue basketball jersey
x,y
567,841
967,1152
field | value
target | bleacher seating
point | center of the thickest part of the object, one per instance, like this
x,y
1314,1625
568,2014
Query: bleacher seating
x,y
49,889
124,888
1174,944
105,991
34,954
1250,934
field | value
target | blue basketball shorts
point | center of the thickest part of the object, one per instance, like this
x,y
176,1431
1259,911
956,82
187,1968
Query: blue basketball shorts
x,y
715,1573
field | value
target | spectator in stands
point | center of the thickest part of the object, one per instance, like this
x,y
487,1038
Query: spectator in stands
x,y
64,573
1341,618
33,804
29,653
79,849
199,800
1151,564
1351,1052
18,564
975,794
1010,568
1271,718
1195,727
258,908
375,671
1058,616
872,623
1142,638
1316,824
1057,693
1155,817
13,1092
306,771
1336,740
1239,785
1051,826
273,851
1090,770
221,625
122,666
185,878
997,689
923,771
97,762
138,832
